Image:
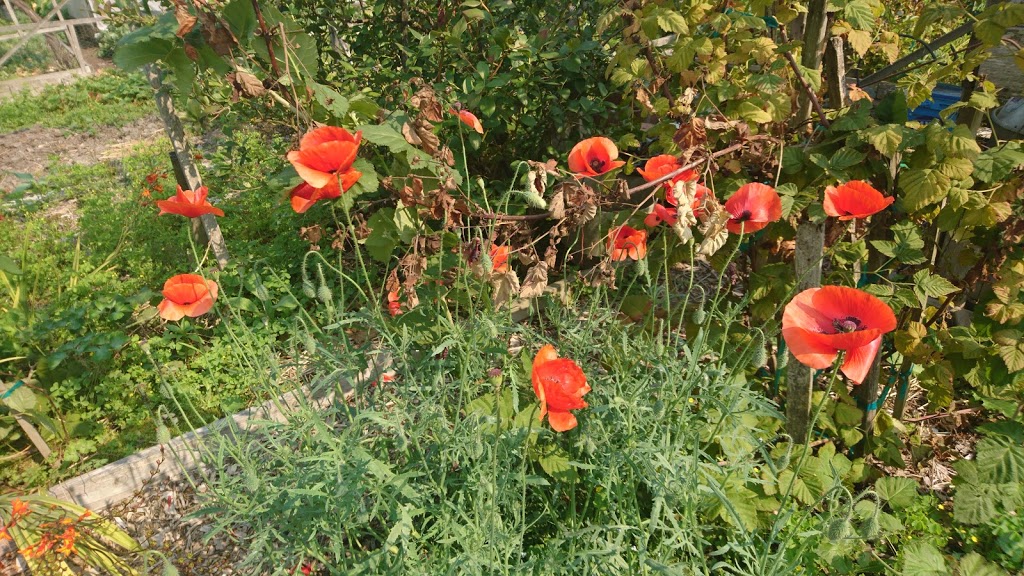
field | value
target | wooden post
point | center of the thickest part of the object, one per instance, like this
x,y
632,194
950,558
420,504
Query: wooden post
x,y
835,73
815,32
810,246
205,228
867,392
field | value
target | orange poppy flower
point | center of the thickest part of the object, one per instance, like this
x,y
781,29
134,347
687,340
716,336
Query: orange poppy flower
x,y
469,119
627,242
4,534
855,199
594,156
820,322
499,259
189,204
324,158
753,207
560,384
187,295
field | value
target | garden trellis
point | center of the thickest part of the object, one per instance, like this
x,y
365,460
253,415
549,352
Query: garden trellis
x,y
69,54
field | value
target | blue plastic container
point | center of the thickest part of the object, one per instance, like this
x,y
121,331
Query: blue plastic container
x,y
944,96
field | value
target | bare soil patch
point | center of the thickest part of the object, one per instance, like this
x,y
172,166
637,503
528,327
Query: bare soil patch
x,y
32,150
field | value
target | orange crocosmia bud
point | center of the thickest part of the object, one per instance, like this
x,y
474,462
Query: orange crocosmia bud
x,y
560,385
19,508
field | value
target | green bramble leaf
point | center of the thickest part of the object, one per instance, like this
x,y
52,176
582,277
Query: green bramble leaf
x,y
330,99
974,564
976,503
241,18
907,245
1000,460
923,187
927,284
962,143
383,238
995,164
937,380
672,22
886,138
862,13
898,492
856,118
556,463
922,559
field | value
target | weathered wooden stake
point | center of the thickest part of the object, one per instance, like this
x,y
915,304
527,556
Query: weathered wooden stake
x,y
814,33
810,246
205,228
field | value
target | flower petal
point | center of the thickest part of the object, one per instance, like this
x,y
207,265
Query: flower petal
x,y
858,361
807,349
325,134
838,302
562,421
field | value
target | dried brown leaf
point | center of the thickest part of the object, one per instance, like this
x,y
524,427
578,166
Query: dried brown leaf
x,y
186,20
506,288
536,281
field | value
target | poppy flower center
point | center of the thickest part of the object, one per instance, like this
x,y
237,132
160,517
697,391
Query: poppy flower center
x,y
848,324
596,164
743,216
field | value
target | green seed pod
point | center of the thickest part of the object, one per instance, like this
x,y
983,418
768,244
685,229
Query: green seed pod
x,y
310,343
308,289
837,528
163,434
871,527
699,315
323,293
759,355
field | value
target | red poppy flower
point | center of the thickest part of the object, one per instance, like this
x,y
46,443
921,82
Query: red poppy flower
x,y
469,119
661,214
855,199
394,302
627,242
189,204
753,207
324,157
662,165
187,295
499,259
820,322
560,384
304,196
594,156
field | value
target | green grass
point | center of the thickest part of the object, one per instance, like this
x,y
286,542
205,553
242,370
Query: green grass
x,y
109,98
